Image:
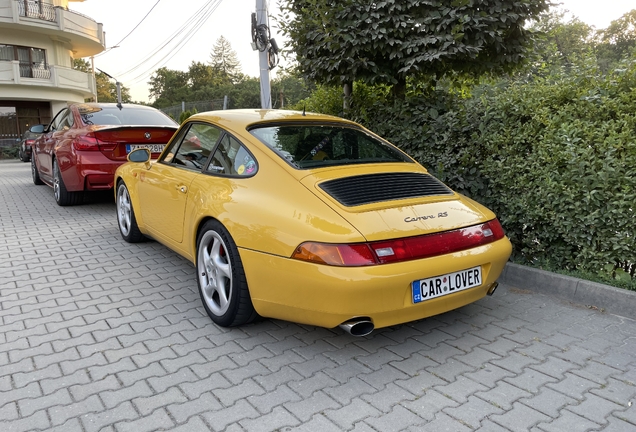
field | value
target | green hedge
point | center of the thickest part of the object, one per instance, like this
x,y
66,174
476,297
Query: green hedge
x,y
555,157
9,152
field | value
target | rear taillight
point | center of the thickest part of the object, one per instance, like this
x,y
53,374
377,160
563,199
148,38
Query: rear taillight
x,y
336,254
29,142
89,142
86,143
390,251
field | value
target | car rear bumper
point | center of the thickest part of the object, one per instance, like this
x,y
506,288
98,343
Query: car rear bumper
x,y
92,172
328,296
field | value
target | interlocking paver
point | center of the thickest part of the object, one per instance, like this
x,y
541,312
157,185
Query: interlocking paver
x,y
266,402
473,412
100,335
29,406
278,419
204,403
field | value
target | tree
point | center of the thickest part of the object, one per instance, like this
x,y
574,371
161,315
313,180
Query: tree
x,y
618,40
288,88
561,43
224,60
390,40
106,88
168,87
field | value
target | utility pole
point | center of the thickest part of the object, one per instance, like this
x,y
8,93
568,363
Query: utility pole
x,y
267,50
266,90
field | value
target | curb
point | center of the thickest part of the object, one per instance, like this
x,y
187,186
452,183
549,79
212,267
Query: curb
x,y
612,300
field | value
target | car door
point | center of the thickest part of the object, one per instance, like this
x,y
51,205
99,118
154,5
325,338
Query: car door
x,y
48,142
164,188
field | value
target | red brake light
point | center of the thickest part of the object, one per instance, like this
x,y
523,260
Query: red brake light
x,y
86,143
383,252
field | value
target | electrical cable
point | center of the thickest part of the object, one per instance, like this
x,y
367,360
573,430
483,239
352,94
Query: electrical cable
x,y
134,28
196,26
170,39
188,30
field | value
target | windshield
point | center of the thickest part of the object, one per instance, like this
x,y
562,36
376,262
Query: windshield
x,y
127,115
313,146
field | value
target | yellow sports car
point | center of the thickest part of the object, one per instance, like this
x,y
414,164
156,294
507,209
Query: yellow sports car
x,y
309,218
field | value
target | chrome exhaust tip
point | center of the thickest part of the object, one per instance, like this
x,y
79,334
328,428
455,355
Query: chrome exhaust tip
x,y
492,288
358,326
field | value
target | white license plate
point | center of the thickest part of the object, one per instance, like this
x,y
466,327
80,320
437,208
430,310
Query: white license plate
x,y
438,286
154,148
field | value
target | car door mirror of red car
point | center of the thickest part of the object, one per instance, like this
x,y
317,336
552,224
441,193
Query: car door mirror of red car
x,y
39,128
139,155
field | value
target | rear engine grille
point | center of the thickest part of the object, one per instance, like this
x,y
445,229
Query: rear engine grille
x,y
371,188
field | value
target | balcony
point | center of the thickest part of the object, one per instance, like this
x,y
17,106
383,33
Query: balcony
x,y
83,35
23,78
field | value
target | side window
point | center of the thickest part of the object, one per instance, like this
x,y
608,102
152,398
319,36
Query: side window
x,y
194,149
58,122
232,158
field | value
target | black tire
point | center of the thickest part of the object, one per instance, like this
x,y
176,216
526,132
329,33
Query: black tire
x,y
62,196
22,156
126,216
221,278
35,174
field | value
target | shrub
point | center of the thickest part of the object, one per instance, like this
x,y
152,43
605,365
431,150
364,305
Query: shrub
x,y
555,157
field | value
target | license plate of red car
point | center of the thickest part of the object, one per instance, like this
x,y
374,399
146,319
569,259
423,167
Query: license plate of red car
x,y
154,148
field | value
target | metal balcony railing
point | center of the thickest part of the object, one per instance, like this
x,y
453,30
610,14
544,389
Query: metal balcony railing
x,y
34,70
36,9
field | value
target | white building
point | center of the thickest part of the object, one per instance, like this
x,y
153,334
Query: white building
x,y
38,42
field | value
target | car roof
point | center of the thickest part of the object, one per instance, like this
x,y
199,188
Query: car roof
x,y
79,105
244,118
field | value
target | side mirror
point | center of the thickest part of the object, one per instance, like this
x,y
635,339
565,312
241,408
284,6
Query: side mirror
x,y
139,155
39,128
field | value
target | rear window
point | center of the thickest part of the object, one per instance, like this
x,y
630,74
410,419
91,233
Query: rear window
x,y
127,115
314,146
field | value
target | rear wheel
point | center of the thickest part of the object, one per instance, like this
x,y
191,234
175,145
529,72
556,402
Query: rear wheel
x,y
126,216
221,278
35,173
62,196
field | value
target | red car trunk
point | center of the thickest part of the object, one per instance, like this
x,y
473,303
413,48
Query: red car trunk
x,y
115,142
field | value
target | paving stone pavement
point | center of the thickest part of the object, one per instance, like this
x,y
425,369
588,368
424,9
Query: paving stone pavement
x,y
100,335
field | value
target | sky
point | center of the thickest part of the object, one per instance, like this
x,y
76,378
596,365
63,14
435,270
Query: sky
x,y
133,62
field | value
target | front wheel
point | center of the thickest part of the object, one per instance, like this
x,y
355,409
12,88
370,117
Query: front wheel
x,y
126,216
62,196
221,278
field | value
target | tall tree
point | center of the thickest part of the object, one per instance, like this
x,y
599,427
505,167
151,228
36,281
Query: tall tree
x,y
168,87
618,40
223,59
387,41
106,88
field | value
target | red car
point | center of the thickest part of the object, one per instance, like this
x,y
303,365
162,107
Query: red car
x,y
85,143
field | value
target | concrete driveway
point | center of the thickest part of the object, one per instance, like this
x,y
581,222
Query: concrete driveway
x,y
100,335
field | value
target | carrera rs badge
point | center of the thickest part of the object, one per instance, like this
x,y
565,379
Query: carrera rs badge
x,y
423,218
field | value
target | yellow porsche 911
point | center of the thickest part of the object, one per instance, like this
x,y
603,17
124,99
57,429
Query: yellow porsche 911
x,y
309,218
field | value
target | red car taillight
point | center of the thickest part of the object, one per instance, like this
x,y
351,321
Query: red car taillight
x,y
29,142
86,143
383,252
89,142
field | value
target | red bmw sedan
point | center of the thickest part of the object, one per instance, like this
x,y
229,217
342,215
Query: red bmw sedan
x,y
84,144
